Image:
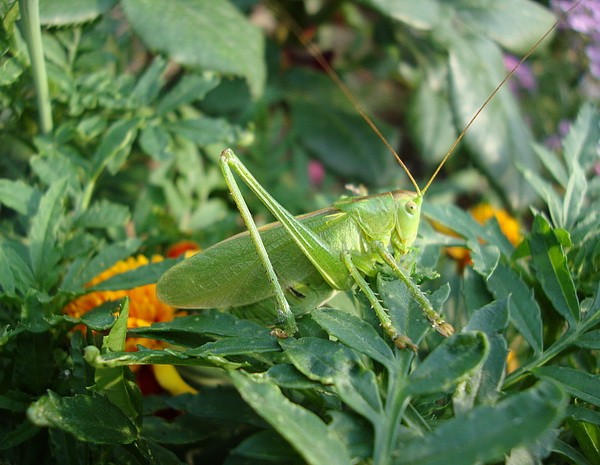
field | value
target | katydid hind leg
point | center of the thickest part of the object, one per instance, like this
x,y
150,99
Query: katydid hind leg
x,y
284,312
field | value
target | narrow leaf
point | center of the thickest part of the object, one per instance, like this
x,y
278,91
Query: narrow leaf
x,y
550,264
580,384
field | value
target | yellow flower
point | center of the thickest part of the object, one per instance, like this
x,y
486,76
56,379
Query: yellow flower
x,y
144,306
482,213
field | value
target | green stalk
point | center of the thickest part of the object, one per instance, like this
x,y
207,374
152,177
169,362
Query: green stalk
x,y
33,36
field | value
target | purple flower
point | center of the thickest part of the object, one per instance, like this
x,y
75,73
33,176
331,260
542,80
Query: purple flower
x,y
585,19
523,75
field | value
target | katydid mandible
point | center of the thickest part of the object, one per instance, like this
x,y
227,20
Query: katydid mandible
x,y
304,260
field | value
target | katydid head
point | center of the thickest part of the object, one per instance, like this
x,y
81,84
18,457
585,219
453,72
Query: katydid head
x,y
408,215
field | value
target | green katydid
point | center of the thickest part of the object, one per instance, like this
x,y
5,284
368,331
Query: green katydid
x,y
304,260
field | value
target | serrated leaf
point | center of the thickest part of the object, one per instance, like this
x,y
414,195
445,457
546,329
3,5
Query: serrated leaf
x,y
589,340
203,131
576,382
550,265
525,312
117,383
43,252
202,34
89,418
307,433
189,88
487,433
104,214
115,146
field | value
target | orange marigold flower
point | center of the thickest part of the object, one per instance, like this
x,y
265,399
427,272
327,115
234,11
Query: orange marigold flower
x,y
183,247
144,306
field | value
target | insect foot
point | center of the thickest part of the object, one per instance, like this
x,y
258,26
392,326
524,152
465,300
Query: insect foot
x,y
404,342
279,333
445,329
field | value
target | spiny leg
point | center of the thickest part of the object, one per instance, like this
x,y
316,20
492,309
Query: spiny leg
x,y
284,313
438,323
401,341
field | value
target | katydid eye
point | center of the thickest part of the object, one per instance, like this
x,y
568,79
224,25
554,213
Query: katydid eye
x,y
410,207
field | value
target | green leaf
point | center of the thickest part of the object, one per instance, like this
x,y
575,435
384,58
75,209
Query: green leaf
x,y
342,140
237,346
76,277
450,363
18,435
333,363
492,319
193,330
60,13
202,34
16,195
525,312
355,333
104,214
487,433
499,139
43,251
118,383
424,14
190,88
551,269
156,142
589,340
514,24
588,437
89,418
304,430
102,317
430,115
576,382
115,146
203,131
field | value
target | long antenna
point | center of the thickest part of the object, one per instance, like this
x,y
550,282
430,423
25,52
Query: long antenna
x,y
493,94
318,56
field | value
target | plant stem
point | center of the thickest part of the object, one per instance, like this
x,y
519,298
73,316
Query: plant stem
x,y
33,36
